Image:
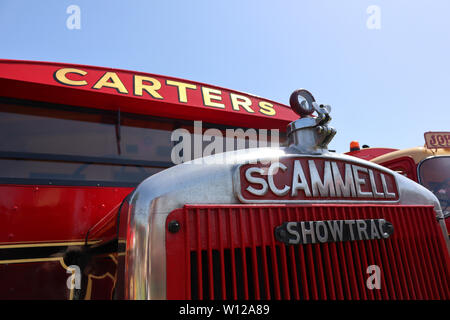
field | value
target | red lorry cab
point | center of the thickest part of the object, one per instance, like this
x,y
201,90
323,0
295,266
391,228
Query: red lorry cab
x,y
93,205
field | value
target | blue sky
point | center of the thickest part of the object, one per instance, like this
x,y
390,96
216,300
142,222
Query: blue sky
x,y
386,86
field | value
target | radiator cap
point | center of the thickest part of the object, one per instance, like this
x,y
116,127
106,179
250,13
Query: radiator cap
x,y
310,134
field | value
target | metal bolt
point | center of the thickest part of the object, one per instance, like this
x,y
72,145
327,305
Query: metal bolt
x,y
388,228
280,234
174,226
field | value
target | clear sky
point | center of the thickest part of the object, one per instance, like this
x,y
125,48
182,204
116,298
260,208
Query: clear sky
x,y
384,71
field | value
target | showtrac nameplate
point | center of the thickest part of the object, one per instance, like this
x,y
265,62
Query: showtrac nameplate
x,y
310,232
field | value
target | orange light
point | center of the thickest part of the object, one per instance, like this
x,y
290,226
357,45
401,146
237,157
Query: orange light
x,y
354,146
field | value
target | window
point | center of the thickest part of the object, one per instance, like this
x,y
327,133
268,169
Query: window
x,y
54,144
32,129
43,144
434,174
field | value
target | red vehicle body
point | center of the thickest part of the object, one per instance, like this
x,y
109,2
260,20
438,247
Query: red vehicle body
x,y
74,146
428,165
92,207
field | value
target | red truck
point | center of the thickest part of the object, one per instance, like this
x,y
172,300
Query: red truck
x,y
93,205
428,165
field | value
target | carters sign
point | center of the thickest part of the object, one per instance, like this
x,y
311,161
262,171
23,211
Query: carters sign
x,y
314,179
139,93
159,88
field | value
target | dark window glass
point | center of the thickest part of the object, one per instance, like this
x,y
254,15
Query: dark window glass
x,y
48,130
56,172
54,143
145,139
434,174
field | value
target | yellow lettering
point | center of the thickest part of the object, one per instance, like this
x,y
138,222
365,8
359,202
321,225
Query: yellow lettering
x,y
60,76
152,89
115,82
266,108
212,94
182,95
241,101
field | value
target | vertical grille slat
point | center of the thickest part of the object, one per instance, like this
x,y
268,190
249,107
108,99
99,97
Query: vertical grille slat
x,y
411,262
437,258
335,262
221,224
274,263
353,270
199,258
210,263
327,249
230,252
393,248
253,237
241,224
360,272
361,258
284,266
369,257
388,278
410,277
340,256
232,256
301,269
431,289
374,256
267,286
310,269
355,255
187,248
292,264
417,265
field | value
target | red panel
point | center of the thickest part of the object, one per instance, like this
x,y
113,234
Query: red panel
x,y
447,224
40,224
237,257
53,213
403,165
34,280
370,153
36,81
